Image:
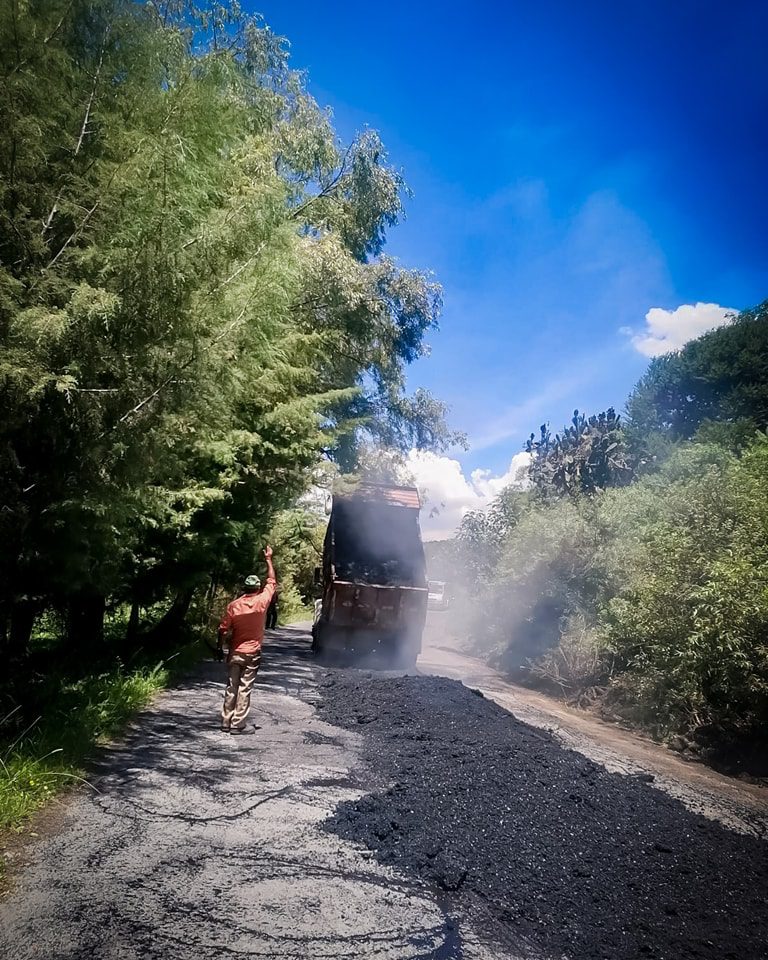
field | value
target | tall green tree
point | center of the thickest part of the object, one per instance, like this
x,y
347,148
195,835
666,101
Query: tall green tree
x,y
194,301
722,377
586,457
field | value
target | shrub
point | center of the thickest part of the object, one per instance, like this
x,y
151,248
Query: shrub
x,y
549,568
657,591
690,618
579,667
50,753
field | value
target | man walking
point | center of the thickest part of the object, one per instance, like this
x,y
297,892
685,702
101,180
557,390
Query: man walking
x,y
244,624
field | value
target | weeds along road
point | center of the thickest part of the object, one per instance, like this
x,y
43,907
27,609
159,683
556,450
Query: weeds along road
x,y
375,815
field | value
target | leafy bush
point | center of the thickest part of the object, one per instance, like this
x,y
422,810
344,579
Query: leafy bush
x,y
49,754
690,621
656,593
720,377
195,306
578,666
549,568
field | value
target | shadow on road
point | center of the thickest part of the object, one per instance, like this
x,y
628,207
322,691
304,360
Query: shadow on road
x,y
168,738
287,664
192,842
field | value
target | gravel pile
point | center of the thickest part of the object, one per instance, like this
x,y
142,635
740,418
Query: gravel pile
x,y
580,862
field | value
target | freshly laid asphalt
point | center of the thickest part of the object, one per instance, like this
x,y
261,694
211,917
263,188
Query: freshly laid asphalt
x,y
573,860
191,844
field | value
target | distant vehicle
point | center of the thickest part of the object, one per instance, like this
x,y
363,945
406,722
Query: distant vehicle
x,y
437,596
373,578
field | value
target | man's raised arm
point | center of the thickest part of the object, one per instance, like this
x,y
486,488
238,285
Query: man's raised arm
x,y
269,589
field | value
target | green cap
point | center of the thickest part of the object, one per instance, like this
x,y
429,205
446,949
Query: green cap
x,y
252,582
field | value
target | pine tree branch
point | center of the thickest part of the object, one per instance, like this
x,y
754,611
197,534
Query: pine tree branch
x,y
139,406
76,233
180,368
46,40
240,269
83,130
328,188
166,382
58,26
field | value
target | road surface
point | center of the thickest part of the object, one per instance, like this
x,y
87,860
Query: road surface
x,y
742,805
193,843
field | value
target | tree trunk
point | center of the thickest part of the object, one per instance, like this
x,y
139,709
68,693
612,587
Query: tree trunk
x,y
85,626
5,636
210,596
132,631
169,627
22,620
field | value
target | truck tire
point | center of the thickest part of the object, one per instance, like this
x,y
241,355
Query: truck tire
x,y
408,662
324,643
408,652
318,629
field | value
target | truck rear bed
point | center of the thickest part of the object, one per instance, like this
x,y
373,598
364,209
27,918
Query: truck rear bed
x,y
376,607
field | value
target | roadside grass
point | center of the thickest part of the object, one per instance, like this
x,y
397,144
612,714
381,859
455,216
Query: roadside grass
x,y
51,752
298,614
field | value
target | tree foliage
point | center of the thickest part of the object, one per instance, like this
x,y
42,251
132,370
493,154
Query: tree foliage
x,y
666,579
637,565
720,378
690,618
586,457
194,301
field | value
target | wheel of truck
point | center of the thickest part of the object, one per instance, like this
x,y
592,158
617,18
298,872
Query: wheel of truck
x,y
320,643
317,639
407,654
407,662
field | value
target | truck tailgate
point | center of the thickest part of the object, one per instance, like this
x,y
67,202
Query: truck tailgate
x,y
376,607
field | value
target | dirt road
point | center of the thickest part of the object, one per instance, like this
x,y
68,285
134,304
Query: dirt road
x,y
366,818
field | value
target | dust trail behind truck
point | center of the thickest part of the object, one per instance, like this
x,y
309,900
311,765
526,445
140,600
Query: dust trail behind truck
x,y
374,584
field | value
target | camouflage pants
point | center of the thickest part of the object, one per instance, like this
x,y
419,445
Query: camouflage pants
x,y
242,669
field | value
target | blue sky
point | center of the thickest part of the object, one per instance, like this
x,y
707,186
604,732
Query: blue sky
x,y
573,166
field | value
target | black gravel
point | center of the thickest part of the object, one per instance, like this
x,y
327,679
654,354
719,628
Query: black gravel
x,y
580,862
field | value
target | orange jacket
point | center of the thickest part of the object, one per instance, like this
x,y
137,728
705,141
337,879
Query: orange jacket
x,y
245,618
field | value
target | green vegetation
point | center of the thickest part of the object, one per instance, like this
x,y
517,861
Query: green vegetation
x,y
50,752
194,306
718,380
297,537
634,571
195,311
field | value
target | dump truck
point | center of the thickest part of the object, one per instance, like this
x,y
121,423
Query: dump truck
x,y
373,579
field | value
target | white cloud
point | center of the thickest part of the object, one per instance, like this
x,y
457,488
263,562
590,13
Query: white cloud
x,y
448,493
668,330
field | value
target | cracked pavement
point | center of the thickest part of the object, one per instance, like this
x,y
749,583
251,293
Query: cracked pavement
x,y
196,843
